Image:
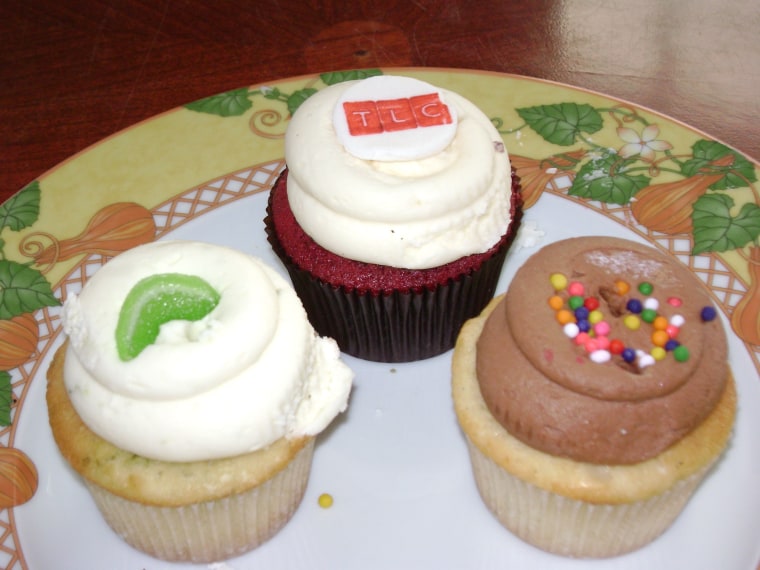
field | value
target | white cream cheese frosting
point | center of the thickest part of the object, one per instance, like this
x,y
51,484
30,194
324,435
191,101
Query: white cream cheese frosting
x,y
250,372
414,213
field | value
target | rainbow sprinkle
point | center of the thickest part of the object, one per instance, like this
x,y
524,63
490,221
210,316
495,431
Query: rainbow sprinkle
x,y
585,324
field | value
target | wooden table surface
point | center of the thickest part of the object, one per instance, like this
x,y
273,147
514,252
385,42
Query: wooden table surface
x,y
75,71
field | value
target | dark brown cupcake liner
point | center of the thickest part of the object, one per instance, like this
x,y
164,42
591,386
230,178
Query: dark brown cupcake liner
x,y
399,326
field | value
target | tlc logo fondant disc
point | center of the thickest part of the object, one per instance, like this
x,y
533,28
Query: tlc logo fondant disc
x,y
394,118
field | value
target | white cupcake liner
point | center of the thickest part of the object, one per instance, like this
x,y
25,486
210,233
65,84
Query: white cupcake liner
x,y
572,527
214,530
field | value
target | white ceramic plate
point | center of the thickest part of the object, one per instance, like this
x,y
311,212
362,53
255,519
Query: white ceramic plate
x,y
396,462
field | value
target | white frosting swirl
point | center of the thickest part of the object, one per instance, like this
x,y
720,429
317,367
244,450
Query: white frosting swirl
x,y
250,372
412,214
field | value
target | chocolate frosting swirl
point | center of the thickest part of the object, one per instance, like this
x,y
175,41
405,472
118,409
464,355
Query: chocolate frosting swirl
x,y
544,389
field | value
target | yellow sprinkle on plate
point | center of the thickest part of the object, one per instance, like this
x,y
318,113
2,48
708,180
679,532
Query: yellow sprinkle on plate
x,y
325,500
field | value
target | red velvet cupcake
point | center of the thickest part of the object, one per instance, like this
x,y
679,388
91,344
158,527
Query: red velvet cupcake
x,y
392,290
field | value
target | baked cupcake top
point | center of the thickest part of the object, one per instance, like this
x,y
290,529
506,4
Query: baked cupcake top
x,y
393,171
604,351
185,351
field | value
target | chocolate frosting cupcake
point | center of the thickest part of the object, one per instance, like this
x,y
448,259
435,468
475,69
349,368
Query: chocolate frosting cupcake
x,y
613,400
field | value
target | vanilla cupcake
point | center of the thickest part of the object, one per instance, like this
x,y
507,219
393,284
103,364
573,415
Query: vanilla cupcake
x,y
394,215
188,395
592,418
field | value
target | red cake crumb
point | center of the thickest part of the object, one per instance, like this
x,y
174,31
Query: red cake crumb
x,y
369,277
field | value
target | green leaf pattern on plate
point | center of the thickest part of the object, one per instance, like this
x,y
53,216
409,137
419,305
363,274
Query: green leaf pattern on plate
x,y
562,124
615,175
23,289
738,174
605,179
294,101
334,77
236,102
230,104
22,209
715,229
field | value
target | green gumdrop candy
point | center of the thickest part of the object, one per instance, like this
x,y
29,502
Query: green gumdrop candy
x,y
156,300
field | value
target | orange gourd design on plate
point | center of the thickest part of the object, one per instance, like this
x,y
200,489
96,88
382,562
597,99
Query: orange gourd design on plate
x,y
18,477
667,207
115,228
535,174
745,318
18,340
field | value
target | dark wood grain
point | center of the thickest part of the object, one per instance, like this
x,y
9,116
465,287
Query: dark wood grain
x,y
76,71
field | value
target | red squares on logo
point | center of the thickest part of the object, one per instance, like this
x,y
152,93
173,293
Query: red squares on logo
x,y
387,115
362,118
396,114
429,110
